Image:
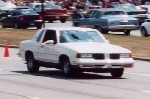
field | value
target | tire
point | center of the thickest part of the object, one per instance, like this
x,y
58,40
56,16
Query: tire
x,y
101,30
32,64
3,25
104,31
117,73
127,32
76,24
24,27
62,21
50,21
66,69
144,32
16,26
39,26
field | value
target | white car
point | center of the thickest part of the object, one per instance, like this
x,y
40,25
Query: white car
x,y
145,28
146,7
74,50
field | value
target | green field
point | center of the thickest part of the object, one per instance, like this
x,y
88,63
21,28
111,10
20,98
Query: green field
x,y
140,46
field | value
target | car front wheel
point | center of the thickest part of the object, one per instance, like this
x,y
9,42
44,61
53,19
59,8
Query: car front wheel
x,y
17,26
3,25
32,64
62,21
66,69
39,26
127,32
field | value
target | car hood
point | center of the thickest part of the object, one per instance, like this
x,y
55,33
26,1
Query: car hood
x,y
92,47
118,17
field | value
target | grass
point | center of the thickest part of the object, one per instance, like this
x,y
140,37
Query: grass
x,y
140,46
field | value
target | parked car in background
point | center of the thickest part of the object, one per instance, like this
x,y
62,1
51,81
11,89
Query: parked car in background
x,y
132,10
22,18
108,19
145,28
51,12
74,50
146,7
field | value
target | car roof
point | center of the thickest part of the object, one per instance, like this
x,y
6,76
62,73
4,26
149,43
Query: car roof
x,y
69,28
22,7
107,9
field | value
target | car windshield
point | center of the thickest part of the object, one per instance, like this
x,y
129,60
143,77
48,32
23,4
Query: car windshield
x,y
127,7
27,12
114,13
80,36
52,6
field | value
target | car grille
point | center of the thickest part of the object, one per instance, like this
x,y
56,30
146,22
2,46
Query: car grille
x,y
98,56
114,56
102,56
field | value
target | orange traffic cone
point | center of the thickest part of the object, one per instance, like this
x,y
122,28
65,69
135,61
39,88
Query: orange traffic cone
x,y
6,52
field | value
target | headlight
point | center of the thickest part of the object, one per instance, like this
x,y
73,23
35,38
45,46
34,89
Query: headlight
x,y
125,55
84,55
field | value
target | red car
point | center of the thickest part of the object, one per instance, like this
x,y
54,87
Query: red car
x,y
52,12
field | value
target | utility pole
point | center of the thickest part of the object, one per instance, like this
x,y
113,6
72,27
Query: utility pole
x,y
42,6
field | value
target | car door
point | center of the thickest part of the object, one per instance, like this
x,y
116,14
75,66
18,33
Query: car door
x,y
48,52
12,18
86,20
89,18
93,19
37,45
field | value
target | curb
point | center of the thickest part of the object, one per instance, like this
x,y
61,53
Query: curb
x,y
135,58
10,46
142,58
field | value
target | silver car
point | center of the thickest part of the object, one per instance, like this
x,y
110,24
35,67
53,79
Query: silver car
x,y
108,19
145,28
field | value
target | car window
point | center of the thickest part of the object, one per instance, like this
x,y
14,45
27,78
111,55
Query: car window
x,y
40,36
80,36
50,35
114,13
39,7
89,14
27,11
96,14
15,13
127,7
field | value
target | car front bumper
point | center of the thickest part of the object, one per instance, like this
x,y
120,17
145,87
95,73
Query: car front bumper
x,y
55,17
31,23
103,64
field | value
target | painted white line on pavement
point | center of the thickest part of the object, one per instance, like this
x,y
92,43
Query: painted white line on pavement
x,y
148,75
146,92
33,97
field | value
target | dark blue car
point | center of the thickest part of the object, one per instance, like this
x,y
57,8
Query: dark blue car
x,y
22,18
